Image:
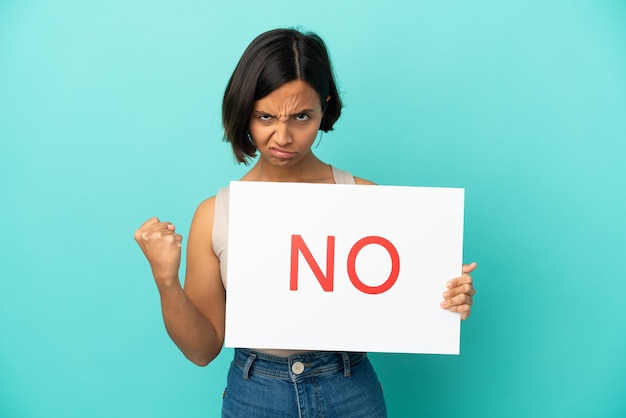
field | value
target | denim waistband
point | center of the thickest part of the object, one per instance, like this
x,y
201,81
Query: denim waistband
x,y
297,366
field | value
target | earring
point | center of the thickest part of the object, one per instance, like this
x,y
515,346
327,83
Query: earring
x,y
250,139
321,133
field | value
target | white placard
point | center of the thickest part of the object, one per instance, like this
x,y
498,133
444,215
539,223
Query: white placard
x,y
394,249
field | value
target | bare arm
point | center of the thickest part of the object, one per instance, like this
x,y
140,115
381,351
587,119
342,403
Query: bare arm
x,y
193,316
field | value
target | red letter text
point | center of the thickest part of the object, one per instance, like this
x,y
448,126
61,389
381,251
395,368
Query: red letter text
x,y
298,245
395,265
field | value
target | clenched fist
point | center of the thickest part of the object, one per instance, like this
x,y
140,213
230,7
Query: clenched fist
x,y
162,247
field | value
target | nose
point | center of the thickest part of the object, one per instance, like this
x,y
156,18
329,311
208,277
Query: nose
x,y
282,135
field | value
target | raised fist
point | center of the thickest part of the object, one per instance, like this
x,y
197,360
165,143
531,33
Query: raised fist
x,y
162,247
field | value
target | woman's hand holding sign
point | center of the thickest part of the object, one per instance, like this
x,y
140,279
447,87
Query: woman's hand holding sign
x,y
458,296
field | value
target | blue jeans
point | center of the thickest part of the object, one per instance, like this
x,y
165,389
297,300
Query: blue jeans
x,y
314,384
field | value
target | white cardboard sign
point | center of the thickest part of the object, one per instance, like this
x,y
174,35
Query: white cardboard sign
x,y
375,285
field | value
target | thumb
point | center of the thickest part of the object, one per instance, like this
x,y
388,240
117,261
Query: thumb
x,y
468,268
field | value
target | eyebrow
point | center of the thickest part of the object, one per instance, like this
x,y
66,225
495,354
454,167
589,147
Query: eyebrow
x,y
261,112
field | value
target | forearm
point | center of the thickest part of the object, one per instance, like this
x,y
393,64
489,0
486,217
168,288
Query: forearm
x,y
190,330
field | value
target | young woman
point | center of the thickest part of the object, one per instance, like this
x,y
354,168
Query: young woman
x,y
280,95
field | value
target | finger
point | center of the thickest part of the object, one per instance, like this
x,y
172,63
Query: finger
x,y
138,235
458,300
459,281
464,310
153,234
467,289
150,222
178,239
468,268
465,276
162,227
167,236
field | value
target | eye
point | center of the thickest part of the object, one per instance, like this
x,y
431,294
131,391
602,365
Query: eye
x,y
264,118
302,117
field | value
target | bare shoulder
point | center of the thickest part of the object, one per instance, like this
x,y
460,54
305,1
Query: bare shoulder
x,y
201,229
205,211
358,180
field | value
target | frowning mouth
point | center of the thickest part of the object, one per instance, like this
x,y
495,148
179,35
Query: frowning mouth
x,y
281,153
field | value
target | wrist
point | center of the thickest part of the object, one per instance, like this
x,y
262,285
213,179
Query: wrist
x,y
167,282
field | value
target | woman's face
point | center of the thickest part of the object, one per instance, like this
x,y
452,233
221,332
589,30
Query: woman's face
x,y
284,124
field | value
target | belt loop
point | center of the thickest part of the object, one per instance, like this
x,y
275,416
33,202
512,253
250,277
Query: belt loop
x,y
246,367
346,364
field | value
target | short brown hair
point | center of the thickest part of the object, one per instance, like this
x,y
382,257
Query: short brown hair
x,y
272,59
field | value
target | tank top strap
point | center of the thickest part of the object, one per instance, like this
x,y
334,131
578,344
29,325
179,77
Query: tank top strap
x,y
342,177
219,235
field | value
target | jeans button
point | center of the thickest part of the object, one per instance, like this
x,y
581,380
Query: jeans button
x,y
297,367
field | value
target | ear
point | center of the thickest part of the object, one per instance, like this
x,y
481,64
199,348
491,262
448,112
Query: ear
x,y
325,105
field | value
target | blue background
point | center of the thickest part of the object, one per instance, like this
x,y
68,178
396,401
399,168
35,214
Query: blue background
x,y
110,114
